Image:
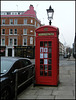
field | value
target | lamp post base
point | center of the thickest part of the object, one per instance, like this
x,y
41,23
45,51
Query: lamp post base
x,y
50,22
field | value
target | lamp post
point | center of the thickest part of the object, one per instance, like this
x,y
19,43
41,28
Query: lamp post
x,y
50,13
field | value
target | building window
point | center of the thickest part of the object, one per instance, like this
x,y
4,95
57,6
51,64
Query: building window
x,y
24,31
31,40
10,31
25,21
24,42
8,13
3,31
31,21
3,21
38,25
3,42
15,21
15,31
11,21
35,23
10,42
15,42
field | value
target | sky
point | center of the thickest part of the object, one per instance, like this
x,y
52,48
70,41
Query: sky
x,y
63,18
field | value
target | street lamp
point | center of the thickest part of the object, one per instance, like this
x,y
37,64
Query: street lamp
x,y
50,13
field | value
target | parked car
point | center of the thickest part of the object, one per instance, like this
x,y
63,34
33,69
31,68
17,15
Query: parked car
x,y
8,75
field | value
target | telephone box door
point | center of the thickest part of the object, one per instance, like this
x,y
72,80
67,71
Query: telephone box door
x,y
45,56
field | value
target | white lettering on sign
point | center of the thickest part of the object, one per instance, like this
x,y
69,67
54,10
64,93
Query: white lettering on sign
x,y
45,34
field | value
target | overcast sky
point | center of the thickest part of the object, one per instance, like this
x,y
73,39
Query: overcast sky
x,y
64,15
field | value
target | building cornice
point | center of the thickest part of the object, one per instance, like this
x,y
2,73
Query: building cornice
x,y
18,25
15,16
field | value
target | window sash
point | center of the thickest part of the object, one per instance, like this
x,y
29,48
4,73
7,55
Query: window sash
x,y
24,42
3,21
11,21
10,41
15,41
3,42
3,31
25,31
31,20
15,21
25,21
15,31
11,31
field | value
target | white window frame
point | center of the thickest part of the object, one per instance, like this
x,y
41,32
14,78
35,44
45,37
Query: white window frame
x,y
24,32
10,43
3,21
38,25
35,23
31,40
25,21
15,32
14,42
2,32
9,32
11,21
23,41
2,42
15,21
31,20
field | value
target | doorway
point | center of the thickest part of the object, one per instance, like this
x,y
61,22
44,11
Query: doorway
x,y
9,52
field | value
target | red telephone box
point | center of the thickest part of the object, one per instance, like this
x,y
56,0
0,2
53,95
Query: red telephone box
x,y
47,56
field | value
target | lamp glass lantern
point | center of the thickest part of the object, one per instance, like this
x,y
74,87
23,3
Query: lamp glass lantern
x,y
50,13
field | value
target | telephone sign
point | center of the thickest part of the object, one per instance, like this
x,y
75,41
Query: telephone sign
x,y
47,56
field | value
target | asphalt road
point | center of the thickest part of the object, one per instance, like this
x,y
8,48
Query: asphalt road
x,y
66,62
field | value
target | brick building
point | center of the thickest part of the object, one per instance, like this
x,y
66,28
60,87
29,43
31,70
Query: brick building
x,y
18,32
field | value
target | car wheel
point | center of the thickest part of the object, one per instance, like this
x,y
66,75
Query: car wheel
x,y
5,94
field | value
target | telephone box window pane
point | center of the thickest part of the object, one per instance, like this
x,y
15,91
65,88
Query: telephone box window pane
x,y
41,61
49,43
49,73
41,49
45,67
41,55
49,67
41,67
41,44
49,55
45,61
45,73
45,44
45,49
49,61
41,73
45,55
49,49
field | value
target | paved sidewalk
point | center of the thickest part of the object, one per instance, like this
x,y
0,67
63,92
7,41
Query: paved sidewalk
x,y
65,90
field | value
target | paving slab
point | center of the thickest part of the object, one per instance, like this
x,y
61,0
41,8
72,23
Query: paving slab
x,y
61,92
64,97
45,97
69,88
44,92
